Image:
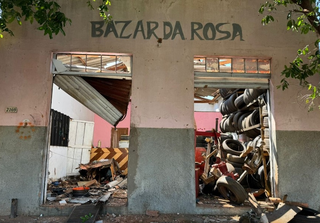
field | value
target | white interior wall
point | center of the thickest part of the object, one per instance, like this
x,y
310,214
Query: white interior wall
x,y
58,156
206,107
64,103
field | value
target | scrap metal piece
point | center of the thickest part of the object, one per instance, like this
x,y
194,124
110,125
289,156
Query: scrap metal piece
x,y
115,182
105,197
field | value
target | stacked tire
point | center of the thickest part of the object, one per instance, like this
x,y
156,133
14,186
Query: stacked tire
x,y
241,114
230,151
237,111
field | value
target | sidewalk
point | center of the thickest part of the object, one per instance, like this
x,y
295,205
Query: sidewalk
x,y
175,218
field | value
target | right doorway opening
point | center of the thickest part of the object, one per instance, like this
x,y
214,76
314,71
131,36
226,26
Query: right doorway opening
x,y
232,136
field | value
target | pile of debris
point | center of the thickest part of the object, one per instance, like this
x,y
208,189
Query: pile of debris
x,y
99,181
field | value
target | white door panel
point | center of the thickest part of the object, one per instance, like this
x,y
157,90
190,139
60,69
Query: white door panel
x,y
81,136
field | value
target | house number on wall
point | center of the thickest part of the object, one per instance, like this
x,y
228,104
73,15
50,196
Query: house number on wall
x,y
11,110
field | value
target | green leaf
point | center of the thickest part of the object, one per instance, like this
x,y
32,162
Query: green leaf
x,y
289,24
261,9
289,15
299,23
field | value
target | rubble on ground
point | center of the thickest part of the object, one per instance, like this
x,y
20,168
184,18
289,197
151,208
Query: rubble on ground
x,y
98,182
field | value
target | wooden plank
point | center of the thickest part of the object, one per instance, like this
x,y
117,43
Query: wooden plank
x,y
246,152
116,134
214,152
275,200
266,178
207,179
79,134
72,133
87,183
206,162
267,206
70,157
113,171
254,204
88,134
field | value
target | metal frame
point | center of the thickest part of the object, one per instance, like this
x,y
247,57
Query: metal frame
x,y
229,57
59,68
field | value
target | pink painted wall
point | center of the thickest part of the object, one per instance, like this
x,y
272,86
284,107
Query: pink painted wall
x,y
102,129
207,120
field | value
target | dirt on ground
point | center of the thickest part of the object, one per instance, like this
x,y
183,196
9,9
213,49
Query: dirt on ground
x,y
175,218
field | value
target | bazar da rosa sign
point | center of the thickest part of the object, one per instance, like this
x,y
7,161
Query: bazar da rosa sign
x,y
148,29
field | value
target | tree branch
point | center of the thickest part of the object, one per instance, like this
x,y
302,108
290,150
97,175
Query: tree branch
x,y
307,7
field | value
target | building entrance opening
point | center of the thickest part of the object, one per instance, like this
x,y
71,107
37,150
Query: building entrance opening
x,y
90,127
232,149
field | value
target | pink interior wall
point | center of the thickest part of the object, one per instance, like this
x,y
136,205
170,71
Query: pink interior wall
x,y
207,120
102,130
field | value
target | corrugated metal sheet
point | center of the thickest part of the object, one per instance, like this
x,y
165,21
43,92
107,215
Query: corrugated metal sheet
x,y
83,92
231,80
106,94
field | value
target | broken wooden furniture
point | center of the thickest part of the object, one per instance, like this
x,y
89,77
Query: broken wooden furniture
x,y
97,169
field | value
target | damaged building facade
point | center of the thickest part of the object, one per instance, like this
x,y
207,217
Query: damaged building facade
x,y
162,40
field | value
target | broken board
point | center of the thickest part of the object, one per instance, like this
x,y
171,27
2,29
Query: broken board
x,y
284,213
84,210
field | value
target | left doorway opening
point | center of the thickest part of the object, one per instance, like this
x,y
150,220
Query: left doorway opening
x,y
90,104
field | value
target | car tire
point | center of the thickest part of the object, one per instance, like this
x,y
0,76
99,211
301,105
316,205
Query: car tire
x,y
235,120
228,124
240,121
228,106
252,133
251,94
260,174
239,102
232,146
222,129
225,92
254,118
230,189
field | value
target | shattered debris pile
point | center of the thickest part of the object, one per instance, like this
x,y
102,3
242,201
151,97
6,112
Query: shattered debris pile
x,y
99,181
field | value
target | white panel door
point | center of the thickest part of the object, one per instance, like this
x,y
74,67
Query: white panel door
x,y
79,146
